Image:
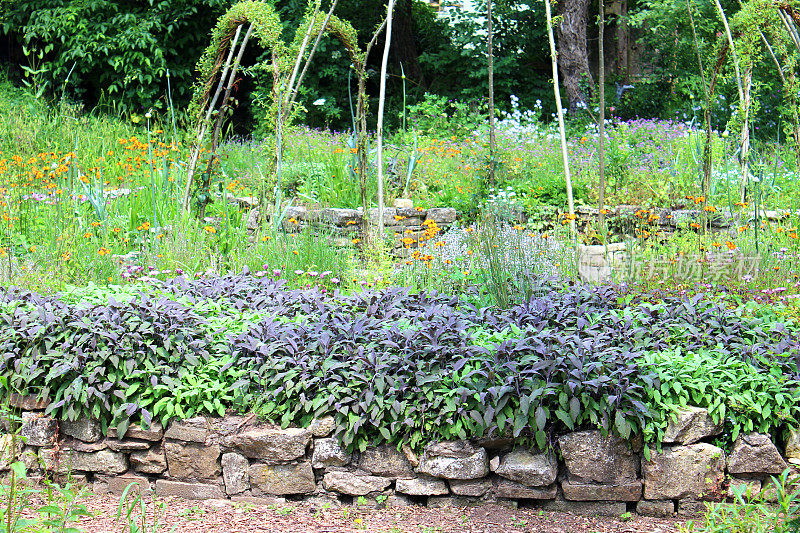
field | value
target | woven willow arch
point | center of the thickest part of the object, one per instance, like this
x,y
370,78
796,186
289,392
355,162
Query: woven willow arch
x,y
266,26
267,29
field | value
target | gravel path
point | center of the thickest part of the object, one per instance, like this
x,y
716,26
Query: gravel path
x,y
183,516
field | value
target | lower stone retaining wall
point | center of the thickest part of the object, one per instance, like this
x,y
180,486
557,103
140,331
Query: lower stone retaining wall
x,y
244,459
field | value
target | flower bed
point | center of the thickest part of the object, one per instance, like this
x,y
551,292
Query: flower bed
x,y
399,367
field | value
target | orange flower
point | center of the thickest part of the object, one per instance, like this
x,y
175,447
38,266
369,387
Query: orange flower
x,y
210,229
730,245
103,251
356,241
695,225
265,238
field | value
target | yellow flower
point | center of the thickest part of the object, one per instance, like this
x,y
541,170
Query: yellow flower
x,y
356,241
95,224
265,238
295,252
87,235
103,251
210,229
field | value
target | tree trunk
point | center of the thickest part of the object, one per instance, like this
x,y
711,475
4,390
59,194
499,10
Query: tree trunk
x,y
623,56
573,58
404,43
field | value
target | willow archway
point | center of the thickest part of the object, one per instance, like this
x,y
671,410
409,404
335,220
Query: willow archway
x,y
219,64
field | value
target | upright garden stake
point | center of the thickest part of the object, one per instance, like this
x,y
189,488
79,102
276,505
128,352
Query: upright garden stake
x,y
601,125
381,105
490,53
561,130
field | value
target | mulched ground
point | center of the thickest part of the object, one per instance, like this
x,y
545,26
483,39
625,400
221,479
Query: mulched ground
x,y
182,516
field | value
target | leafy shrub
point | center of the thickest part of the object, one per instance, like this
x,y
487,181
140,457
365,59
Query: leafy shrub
x,y
748,397
396,366
138,41
436,115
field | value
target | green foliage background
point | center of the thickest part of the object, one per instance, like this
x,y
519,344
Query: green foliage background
x,y
120,50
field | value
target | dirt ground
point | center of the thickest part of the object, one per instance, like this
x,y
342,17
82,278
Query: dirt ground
x,y
182,516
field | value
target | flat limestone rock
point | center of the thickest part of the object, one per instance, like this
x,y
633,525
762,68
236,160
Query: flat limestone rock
x,y
270,444
505,488
386,461
189,460
189,430
353,484
695,471
422,486
150,461
628,492
329,452
531,469
235,473
84,429
592,458
282,480
454,460
755,454
690,425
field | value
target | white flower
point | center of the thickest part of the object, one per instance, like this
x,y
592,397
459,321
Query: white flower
x,y
319,102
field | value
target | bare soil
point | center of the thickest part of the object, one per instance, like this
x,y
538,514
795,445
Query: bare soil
x,y
182,516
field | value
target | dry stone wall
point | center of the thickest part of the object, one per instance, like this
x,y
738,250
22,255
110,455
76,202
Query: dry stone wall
x,y
409,226
244,459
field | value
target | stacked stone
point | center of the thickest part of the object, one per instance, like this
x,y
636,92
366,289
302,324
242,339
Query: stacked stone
x,y
399,222
244,459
